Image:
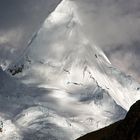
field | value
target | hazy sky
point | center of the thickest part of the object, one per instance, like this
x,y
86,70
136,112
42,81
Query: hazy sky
x,y
115,27
19,19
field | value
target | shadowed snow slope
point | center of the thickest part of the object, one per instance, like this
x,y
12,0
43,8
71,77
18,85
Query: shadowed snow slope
x,y
127,129
63,86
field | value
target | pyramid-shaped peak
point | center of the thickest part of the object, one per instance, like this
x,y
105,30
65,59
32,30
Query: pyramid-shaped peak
x,y
60,54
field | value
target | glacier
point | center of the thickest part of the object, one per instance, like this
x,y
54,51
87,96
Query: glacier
x,y
63,85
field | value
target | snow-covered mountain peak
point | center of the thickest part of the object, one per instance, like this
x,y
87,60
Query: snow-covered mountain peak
x,y
60,53
65,10
72,79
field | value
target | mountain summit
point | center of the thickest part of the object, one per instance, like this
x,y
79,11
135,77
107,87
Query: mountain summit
x,y
62,53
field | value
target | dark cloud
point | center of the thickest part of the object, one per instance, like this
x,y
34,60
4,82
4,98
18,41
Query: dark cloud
x,y
12,13
15,13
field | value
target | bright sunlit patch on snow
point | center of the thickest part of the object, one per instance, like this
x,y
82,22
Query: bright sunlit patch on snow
x,y
10,131
64,10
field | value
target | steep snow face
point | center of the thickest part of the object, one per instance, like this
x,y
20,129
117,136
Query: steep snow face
x,y
67,85
61,54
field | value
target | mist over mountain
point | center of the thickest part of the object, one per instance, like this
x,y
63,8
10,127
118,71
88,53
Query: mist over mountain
x,y
62,85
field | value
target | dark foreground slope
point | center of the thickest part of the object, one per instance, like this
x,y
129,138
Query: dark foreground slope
x,y
127,129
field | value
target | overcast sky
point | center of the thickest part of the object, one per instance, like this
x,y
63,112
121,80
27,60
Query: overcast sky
x,y
115,28
19,19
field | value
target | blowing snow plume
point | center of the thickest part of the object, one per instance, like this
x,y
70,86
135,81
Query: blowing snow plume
x,y
82,91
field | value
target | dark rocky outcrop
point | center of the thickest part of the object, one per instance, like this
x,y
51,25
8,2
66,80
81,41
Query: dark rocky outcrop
x,y
15,70
127,129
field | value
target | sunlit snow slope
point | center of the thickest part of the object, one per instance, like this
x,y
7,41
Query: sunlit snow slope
x,y
63,85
